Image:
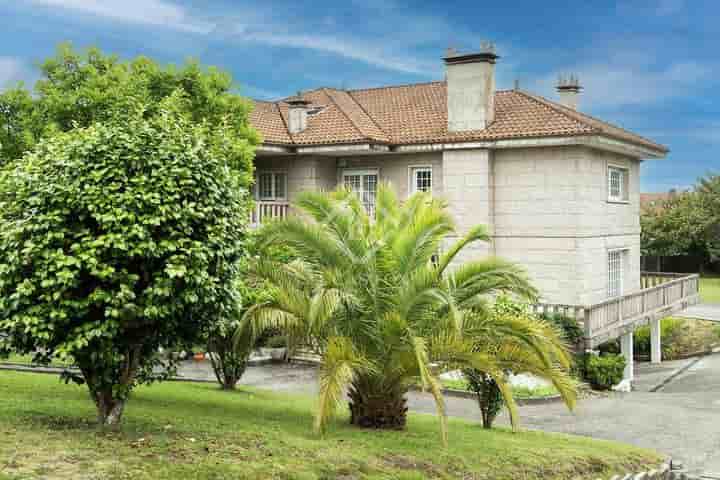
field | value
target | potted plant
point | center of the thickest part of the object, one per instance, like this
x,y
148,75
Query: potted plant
x,y
276,347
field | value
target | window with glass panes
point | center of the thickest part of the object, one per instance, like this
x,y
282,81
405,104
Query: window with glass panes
x,y
617,184
271,186
364,184
616,264
421,179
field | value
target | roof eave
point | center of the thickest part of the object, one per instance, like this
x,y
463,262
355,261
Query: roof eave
x,y
592,140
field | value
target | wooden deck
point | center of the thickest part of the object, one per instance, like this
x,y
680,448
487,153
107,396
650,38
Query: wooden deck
x,y
662,295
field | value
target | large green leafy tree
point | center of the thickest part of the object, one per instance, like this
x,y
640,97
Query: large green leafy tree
x,y
120,238
688,224
384,311
77,89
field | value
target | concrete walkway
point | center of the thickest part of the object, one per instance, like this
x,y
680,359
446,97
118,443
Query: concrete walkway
x,y
702,311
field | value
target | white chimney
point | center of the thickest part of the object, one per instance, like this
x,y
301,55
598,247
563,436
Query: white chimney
x,y
569,90
297,113
471,88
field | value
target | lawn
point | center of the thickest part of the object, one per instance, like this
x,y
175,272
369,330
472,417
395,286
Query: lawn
x,y
710,289
195,431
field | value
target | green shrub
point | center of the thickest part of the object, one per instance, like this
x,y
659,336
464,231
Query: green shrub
x,y
603,372
571,329
671,330
488,395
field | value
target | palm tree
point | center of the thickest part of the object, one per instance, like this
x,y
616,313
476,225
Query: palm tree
x,y
384,309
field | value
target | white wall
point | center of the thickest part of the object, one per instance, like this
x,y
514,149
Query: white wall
x,y
552,215
546,207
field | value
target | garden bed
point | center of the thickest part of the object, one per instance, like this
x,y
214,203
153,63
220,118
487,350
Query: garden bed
x,y
190,430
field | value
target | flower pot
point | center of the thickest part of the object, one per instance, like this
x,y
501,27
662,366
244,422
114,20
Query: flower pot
x,y
199,357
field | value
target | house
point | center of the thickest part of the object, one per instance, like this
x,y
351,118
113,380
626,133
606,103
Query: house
x,y
558,189
656,201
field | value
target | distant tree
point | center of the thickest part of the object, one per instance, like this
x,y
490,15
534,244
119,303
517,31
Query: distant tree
x,y
19,123
687,224
80,89
119,238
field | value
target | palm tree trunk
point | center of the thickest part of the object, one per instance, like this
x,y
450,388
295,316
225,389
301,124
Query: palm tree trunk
x,y
376,403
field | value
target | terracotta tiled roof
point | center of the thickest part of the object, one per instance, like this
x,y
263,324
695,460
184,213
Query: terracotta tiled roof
x,y
417,114
656,201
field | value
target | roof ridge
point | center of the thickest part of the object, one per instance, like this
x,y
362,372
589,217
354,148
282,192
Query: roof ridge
x,y
402,85
285,124
550,104
367,114
345,114
583,117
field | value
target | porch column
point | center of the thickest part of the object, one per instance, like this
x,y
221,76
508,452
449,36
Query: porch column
x,y
626,348
655,341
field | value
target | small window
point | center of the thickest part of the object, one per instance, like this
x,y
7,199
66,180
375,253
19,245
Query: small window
x,y
616,268
617,184
271,186
421,178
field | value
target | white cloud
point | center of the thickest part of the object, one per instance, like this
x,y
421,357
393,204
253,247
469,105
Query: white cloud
x,y
630,82
366,52
13,70
144,12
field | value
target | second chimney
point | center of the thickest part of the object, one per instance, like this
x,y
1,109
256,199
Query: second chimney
x,y
471,88
297,113
569,90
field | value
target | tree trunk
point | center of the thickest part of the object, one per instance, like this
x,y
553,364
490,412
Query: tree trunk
x,y
375,403
110,410
110,397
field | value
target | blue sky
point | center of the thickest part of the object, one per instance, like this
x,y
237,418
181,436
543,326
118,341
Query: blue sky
x,y
648,65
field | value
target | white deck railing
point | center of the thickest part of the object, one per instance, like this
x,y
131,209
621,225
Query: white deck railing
x,y
268,210
662,294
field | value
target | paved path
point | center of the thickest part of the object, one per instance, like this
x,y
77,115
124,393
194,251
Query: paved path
x,y
702,311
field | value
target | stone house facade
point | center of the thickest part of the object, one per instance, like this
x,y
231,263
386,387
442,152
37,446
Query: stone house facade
x,y
558,189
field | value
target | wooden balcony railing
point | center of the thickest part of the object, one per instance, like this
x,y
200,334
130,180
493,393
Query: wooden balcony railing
x,y
267,210
662,295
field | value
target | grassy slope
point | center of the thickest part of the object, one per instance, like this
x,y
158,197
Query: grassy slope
x,y
710,289
195,431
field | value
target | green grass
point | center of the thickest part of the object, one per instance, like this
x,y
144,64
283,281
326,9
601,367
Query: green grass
x,y
195,431
710,289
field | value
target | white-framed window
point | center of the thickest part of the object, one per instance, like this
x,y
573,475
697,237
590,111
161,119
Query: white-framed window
x,y
364,184
616,272
617,184
421,179
271,186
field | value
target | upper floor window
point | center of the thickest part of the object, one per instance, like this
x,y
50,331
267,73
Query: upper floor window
x,y
271,186
618,184
421,179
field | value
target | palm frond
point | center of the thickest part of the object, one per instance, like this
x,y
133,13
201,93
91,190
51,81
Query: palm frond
x,y
477,234
430,382
339,365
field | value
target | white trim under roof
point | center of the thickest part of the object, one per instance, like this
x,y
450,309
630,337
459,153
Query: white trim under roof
x,y
594,141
